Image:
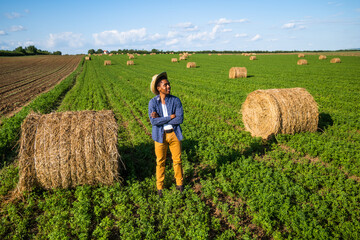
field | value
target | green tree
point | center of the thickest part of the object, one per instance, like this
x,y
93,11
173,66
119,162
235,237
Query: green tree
x,y
57,53
99,51
91,51
31,50
20,49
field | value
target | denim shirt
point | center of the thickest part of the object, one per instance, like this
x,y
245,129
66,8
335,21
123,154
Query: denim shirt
x,y
174,106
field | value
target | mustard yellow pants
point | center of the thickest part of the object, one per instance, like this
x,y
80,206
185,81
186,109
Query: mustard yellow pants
x,y
171,141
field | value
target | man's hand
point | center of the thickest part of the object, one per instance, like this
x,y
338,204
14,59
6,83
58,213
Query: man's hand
x,y
154,115
172,116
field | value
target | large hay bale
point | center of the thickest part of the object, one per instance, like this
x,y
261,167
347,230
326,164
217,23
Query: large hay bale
x,y
302,62
88,58
335,60
110,54
66,149
131,62
301,55
253,58
238,72
191,65
322,57
174,60
131,56
273,111
107,62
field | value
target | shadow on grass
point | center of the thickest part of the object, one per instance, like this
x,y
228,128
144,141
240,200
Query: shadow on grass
x,y
325,121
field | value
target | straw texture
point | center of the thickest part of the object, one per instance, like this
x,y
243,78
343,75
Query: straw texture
x,y
191,65
107,62
130,62
174,60
237,72
62,150
253,58
302,62
335,60
322,57
269,112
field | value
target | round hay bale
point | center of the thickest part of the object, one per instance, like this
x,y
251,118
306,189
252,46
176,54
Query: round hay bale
x,y
110,54
66,149
209,54
174,60
301,55
238,72
191,65
107,62
88,58
131,56
302,62
273,111
322,57
335,60
131,62
253,58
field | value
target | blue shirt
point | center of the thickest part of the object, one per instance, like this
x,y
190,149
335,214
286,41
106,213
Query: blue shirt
x,y
174,106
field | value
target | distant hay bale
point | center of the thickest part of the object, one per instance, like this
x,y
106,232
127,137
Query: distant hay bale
x,y
174,60
182,57
107,62
219,54
131,56
110,54
302,62
238,72
88,58
66,149
191,65
280,111
301,55
322,57
144,54
335,60
253,58
209,54
130,62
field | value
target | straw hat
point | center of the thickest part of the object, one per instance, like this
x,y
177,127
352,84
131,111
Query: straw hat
x,y
155,80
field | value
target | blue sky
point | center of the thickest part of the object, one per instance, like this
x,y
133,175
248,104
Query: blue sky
x,y
76,26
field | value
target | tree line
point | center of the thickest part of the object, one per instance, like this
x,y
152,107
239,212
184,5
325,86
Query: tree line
x,y
29,50
93,51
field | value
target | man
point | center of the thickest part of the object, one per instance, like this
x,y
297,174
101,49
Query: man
x,y
166,114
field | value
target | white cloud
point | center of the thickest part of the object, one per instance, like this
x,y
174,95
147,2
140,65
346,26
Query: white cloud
x,y
115,37
69,39
288,25
256,37
227,21
17,28
172,42
2,33
226,30
198,36
187,26
172,34
13,15
154,37
241,35
294,25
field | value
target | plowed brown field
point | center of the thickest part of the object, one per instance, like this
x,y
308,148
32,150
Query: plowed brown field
x,y
23,78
